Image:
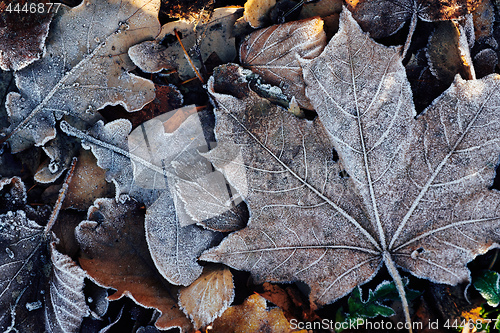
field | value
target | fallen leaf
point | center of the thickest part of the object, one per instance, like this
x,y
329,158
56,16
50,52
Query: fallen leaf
x,y
274,54
23,34
328,10
485,62
207,297
385,17
88,183
411,193
41,289
162,170
200,42
115,254
85,67
59,151
320,8
257,11
484,18
447,54
167,98
252,317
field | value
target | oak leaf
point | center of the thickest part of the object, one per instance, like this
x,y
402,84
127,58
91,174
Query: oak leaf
x,y
411,192
165,171
84,68
115,254
274,54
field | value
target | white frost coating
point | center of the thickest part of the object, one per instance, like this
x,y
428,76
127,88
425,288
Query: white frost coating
x,y
68,81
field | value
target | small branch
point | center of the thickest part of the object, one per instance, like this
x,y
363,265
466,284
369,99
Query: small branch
x,y
60,198
188,57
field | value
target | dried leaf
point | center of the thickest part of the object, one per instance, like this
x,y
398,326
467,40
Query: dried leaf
x,y
274,54
65,301
22,34
445,52
163,170
484,18
84,68
485,62
115,254
167,98
320,8
39,286
60,151
412,192
257,11
207,297
200,41
252,317
88,183
385,17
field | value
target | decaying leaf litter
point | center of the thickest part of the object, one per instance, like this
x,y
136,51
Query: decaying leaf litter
x,y
367,188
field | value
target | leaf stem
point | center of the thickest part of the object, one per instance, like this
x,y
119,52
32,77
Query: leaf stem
x,y
60,198
413,25
393,271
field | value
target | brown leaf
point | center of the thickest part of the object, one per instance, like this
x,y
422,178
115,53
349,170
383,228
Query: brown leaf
x,y
85,67
252,317
167,98
447,54
328,10
411,193
88,183
274,54
484,18
166,172
115,254
22,34
41,289
485,62
199,40
383,18
257,12
207,297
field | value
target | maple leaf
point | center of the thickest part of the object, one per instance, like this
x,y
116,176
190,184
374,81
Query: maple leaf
x,y
416,195
41,289
263,51
383,18
85,67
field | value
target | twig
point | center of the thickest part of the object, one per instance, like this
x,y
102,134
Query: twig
x,y
188,57
60,198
